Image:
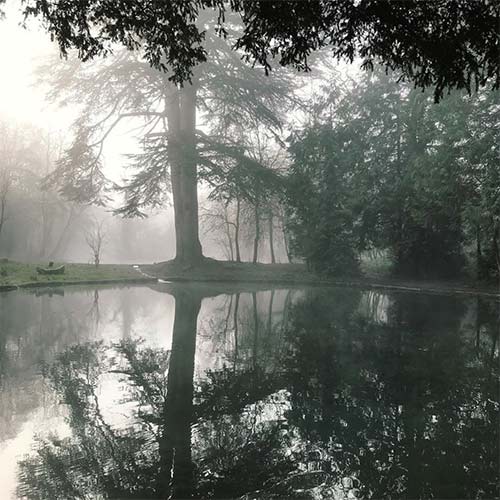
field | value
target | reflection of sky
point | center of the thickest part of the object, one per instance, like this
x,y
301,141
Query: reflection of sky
x,y
37,328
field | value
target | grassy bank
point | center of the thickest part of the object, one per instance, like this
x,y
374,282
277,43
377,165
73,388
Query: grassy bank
x,y
214,270
16,274
297,274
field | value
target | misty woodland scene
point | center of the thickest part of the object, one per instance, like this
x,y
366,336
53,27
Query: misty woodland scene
x,y
249,249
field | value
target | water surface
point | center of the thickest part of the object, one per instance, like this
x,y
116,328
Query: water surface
x,y
181,391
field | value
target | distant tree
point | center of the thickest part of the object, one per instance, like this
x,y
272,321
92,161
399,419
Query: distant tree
x,y
17,157
95,238
216,219
253,187
37,223
5,185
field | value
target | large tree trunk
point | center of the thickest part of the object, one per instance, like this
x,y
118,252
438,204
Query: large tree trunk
x,y
182,146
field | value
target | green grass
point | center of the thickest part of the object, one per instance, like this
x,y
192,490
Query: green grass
x,y
214,270
18,274
377,275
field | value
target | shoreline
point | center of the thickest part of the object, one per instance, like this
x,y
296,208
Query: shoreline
x,y
266,275
295,275
368,284
49,284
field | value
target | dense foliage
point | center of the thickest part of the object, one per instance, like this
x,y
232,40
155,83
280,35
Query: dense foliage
x,y
445,43
382,166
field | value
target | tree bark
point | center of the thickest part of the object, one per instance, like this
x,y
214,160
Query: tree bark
x,y
181,115
257,234
271,237
237,230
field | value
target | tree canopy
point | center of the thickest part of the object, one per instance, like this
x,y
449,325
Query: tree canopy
x,y
443,44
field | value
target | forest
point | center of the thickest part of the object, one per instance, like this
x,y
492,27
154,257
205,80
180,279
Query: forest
x,y
343,169
249,249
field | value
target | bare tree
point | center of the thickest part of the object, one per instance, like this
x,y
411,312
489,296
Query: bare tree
x,y
222,220
95,238
215,219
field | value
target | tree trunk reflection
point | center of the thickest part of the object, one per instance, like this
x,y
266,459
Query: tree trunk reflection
x,y
176,468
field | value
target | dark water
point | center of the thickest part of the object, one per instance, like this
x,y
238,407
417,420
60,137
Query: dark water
x,y
188,392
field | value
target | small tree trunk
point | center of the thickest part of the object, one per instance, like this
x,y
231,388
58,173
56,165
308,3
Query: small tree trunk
x,y
230,243
479,254
228,234
286,243
237,230
496,249
271,238
257,234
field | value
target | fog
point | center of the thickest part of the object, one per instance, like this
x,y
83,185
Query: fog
x,y
249,249
38,223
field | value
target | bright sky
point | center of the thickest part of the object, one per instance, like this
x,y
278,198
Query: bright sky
x,y
21,50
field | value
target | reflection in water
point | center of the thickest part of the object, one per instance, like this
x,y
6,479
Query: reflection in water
x,y
335,393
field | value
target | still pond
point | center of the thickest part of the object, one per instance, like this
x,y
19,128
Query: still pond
x,y
182,391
